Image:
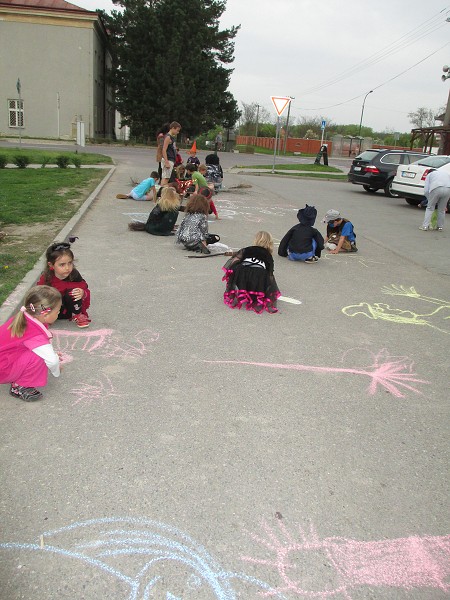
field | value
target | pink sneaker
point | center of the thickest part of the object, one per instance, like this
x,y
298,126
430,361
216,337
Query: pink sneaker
x,y
81,320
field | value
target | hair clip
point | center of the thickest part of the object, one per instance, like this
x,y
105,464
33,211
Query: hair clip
x,y
31,307
62,246
44,310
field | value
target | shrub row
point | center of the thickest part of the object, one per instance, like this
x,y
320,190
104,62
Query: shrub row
x,y
22,161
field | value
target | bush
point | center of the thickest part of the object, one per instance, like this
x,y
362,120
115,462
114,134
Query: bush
x,y
76,161
44,161
62,161
21,161
246,149
3,161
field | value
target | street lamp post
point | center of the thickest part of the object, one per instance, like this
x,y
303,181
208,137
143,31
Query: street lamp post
x,y
287,123
360,122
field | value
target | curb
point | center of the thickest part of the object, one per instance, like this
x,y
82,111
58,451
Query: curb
x,y
14,300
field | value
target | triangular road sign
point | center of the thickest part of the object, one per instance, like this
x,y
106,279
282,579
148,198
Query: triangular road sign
x,y
280,103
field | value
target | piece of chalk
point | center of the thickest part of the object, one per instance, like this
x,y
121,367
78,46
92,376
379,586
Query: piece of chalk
x,y
290,300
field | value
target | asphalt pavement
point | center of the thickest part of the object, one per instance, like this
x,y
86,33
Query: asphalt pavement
x,y
190,451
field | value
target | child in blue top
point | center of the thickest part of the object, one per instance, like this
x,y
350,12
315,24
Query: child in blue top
x,y
340,233
143,191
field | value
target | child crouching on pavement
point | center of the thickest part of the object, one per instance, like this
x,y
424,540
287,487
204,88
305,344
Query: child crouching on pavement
x,y
26,352
340,234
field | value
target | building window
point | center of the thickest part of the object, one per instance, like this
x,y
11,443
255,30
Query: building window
x,y
15,108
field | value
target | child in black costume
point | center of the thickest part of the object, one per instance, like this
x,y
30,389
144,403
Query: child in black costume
x,y
303,241
249,277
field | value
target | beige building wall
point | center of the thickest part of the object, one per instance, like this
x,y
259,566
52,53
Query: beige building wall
x,y
61,65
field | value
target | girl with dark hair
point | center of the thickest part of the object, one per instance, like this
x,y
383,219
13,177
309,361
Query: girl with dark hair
x,y
61,274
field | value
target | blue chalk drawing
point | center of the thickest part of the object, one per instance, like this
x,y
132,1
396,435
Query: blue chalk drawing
x,y
156,544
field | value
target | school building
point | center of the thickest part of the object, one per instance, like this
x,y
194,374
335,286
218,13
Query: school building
x,y
53,60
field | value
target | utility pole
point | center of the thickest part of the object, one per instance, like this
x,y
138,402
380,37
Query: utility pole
x,y
286,135
257,118
444,143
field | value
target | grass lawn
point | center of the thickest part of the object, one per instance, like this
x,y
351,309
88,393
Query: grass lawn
x,y
35,204
296,167
49,157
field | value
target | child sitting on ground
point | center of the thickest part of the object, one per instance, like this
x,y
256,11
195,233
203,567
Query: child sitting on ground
x,y
303,241
60,273
26,352
249,277
145,190
200,185
340,234
162,219
193,231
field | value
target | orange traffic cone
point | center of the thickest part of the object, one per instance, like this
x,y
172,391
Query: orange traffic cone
x,y
193,150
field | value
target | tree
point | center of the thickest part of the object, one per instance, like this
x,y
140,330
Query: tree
x,y
170,62
249,115
423,117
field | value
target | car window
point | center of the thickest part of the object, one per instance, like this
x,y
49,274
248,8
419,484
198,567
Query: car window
x,y
391,159
433,161
368,155
411,158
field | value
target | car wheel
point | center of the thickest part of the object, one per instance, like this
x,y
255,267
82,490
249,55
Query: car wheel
x,y
412,201
370,189
388,189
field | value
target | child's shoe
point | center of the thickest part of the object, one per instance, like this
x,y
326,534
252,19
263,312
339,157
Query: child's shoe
x,y
422,228
122,196
311,260
28,394
81,320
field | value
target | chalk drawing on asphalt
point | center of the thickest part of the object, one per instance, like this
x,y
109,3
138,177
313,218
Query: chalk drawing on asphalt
x,y
438,318
392,373
300,558
154,560
151,559
95,392
102,342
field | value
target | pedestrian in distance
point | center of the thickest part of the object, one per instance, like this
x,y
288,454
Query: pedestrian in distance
x,y
249,277
437,191
145,190
26,351
61,274
303,242
340,235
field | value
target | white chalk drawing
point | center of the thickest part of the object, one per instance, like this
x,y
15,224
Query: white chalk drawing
x,y
154,560
151,559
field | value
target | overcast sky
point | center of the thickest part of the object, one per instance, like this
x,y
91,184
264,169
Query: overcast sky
x,y
344,47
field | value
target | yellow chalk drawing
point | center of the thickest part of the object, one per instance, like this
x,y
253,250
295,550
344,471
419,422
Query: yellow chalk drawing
x,y
438,319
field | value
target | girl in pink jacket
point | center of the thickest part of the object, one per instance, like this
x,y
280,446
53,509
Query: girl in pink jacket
x,y
26,351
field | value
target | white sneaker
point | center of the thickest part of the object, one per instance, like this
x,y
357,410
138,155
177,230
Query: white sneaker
x,y
422,228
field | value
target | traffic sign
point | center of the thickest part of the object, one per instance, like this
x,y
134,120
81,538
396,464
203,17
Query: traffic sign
x,y
323,124
280,103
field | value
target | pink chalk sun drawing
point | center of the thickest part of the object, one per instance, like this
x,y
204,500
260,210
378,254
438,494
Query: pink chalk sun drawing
x,y
303,563
393,373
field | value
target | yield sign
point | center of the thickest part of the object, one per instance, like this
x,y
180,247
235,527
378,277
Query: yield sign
x,y
280,103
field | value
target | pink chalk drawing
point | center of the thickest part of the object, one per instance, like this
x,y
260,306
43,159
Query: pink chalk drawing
x,y
393,373
102,342
88,393
405,563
